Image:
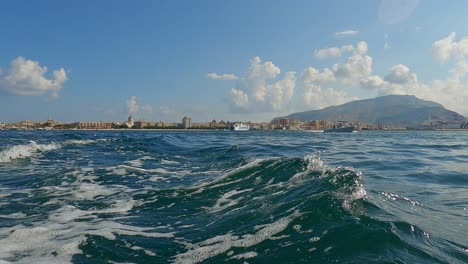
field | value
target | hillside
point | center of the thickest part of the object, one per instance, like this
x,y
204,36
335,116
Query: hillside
x,y
390,109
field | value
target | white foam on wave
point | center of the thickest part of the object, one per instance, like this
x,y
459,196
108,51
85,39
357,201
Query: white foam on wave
x,y
225,200
167,162
24,151
80,141
247,255
201,187
13,216
135,163
214,246
58,238
89,191
348,193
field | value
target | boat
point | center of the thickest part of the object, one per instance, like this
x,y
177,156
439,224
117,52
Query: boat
x,y
240,127
341,126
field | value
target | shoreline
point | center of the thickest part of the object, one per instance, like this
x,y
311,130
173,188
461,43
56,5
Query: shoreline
x,y
227,130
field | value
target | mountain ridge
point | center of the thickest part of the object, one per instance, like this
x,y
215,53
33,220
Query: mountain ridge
x,y
388,109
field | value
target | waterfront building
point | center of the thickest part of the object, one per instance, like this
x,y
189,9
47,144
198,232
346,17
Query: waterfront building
x,y
186,122
294,121
213,124
130,122
26,124
283,122
93,125
141,124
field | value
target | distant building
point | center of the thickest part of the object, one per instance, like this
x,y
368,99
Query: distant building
x,y
130,122
51,122
93,125
283,122
187,122
315,125
294,121
213,124
141,124
26,123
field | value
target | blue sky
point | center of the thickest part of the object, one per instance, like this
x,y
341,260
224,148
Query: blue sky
x,y
231,60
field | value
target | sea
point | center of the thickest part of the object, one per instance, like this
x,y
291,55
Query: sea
x,y
233,197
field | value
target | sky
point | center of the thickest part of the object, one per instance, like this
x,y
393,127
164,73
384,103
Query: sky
x,y
225,60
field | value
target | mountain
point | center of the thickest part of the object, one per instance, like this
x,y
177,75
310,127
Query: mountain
x,y
387,110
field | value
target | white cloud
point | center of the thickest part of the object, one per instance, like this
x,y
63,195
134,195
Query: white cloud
x,y
224,77
400,74
133,108
263,71
400,80
27,77
373,82
448,49
282,91
316,97
358,66
346,33
460,70
260,91
310,75
332,52
132,105
239,98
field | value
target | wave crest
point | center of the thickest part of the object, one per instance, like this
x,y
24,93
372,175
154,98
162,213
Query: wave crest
x,y
25,151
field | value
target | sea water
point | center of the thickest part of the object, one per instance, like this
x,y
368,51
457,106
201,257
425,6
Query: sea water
x,y
235,197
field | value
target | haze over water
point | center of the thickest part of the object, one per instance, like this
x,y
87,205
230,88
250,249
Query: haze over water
x,y
250,197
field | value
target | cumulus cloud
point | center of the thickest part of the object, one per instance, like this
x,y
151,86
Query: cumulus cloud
x,y
134,108
448,49
356,67
401,74
318,97
224,77
311,75
132,105
356,72
346,33
27,77
460,70
399,80
281,92
332,51
261,91
239,98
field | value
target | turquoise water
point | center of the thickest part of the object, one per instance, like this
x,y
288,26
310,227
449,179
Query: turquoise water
x,y
249,197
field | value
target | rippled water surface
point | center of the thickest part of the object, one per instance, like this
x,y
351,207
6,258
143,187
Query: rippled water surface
x,y
249,197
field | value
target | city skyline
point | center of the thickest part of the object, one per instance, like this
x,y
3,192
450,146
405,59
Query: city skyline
x,y
163,60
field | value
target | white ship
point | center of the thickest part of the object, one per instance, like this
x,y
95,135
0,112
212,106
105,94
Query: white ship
x,y
240,127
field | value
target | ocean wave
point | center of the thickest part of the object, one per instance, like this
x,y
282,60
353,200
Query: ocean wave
x,y
211,247
25,151
60,237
